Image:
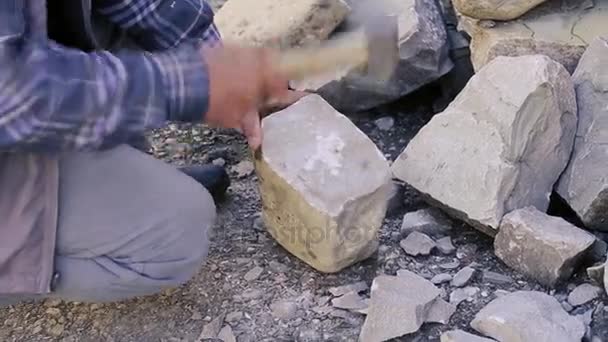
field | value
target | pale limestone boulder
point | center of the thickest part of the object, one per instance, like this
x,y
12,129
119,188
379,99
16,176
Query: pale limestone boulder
x,y
324,185
545,248
559,32
584,185
499,146
423,58
495,9
528,316
280,23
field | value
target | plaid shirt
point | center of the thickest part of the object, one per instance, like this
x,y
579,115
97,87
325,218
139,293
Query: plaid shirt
x,y
54,98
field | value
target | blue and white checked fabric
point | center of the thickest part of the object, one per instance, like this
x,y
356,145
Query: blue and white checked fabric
x,y
54,99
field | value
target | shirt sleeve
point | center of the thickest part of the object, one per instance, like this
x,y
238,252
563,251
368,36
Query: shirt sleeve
x,y
55,99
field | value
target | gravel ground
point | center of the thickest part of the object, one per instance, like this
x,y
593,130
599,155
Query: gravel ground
x,y
255,286
249,278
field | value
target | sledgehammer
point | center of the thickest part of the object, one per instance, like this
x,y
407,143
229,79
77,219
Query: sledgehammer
x,y
375,49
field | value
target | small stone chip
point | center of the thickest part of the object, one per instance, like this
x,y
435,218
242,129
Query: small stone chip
x,y
344,289
496,278
583,293
284,310
445,246
463,277
459,295
254,273
441,278
226,334
349,301
417,244
440,312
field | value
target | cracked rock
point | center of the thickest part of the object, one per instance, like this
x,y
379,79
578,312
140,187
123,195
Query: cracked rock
x,y
583,294
323,183
423,58
583,185
462,336
428,221
462,277
487,144
545,248
445,246
417,244
285,23
553,30
399,305
508,318
495,9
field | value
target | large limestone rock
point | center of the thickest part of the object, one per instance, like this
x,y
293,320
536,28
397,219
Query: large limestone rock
x,y
495,9
543,247
555,30
528,316
584,185
324,185
423,58
499,146
282,23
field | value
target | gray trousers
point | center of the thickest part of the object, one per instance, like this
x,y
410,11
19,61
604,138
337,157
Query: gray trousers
x,y
129,225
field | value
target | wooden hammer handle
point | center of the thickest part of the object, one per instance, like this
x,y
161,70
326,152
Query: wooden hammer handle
x,y
301,63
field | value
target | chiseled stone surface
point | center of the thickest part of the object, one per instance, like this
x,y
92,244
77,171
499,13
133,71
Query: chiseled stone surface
x,y
552,29
485,155
584,185
283,23
543,247
324,185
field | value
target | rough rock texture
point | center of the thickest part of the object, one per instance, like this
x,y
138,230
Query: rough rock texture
x,y
542,247
407,298
499,146
495,9
584,185
462,336
417,244
324,185
423,59
559,31
286,23
508,318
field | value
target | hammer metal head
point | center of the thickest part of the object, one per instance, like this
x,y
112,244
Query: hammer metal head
x,y
382,34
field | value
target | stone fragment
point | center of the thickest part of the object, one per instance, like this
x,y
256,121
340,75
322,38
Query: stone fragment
x,y
487,143
226,334
495,278
417,244
462,277
279,23
445,246
212,329
509,318
357,287
428,221
583,294
560,32
467,293
441,278
234,316
423,58
385,123
495,9
545,248
399,305
450,265
596,273
349,301
253,273
440,312
462,336
584,185
284,309
324,185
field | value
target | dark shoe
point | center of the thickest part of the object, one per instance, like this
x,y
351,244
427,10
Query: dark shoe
x,y
214,178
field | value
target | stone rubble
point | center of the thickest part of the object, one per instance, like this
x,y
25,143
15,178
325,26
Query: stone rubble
x,y
560,32
407,297
468,293
285,23
545,248
462,277
486,143
417,244
495,9
428,221
423,58
324,185
441,278
508,318
462,336
583,294
584,185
